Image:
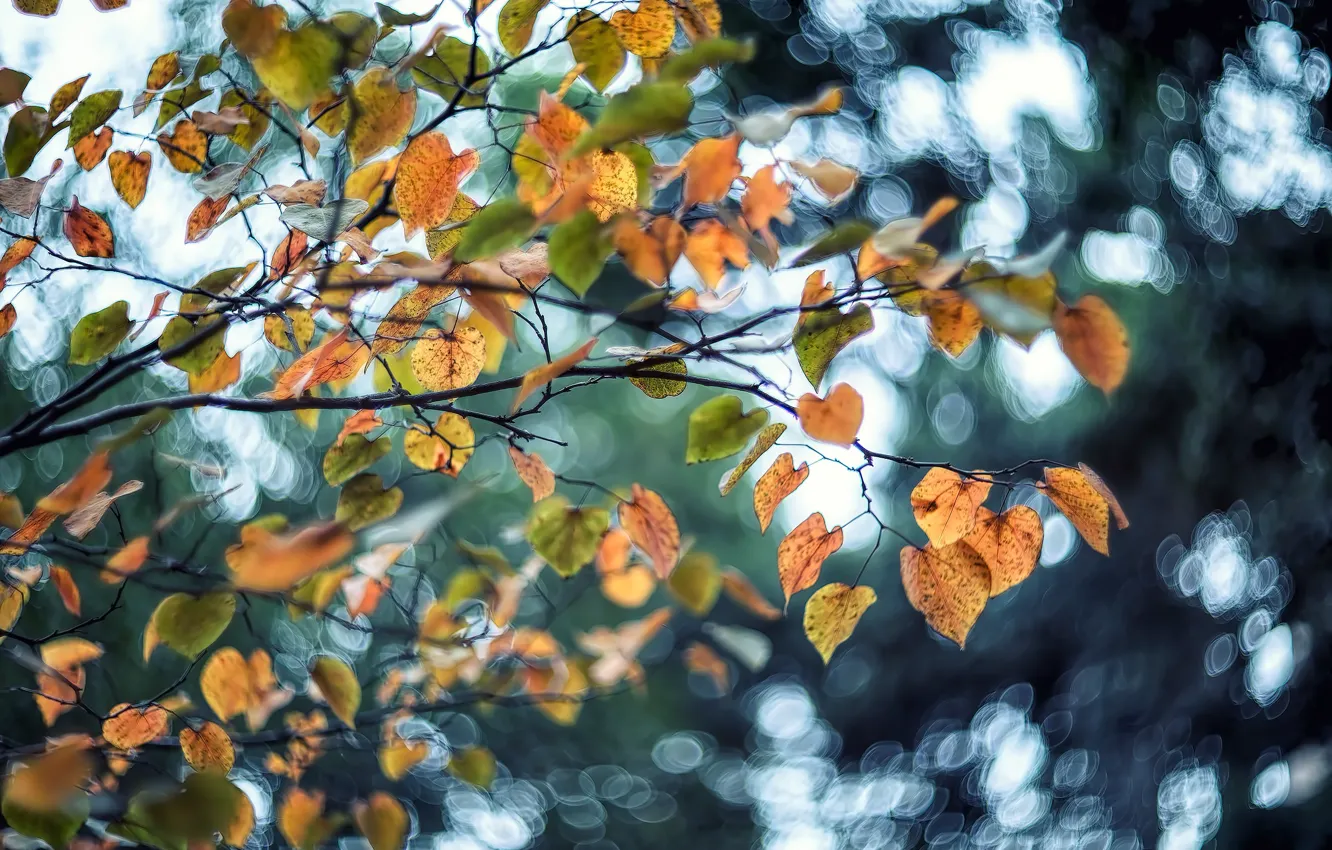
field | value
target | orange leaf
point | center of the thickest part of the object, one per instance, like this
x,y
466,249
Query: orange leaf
x,y
833,180
780,481
533,472
272,562
336,359
289,252
74,493
208,748
950,586
1084,505
710,245
1099,485
203,218
535,379
127,727
360,422
88,232
703,660
1095,341
1010,544
945,504
652,527
764,200
429,173
406,316
129,175
711,166
835,419
224,371
57,694
68,590
186,146
91,149
33,527
738,586
624,584
15,254
801,554
126,561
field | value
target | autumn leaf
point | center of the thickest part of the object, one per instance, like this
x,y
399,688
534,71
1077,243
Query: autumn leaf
x,y
823,334
186,147
66,587
647,31
1009,543
190,624
91,113
98,333
834,419
719,428
448,361
537,377
86,483
275,562
338,687
596,46
428,176
473,765
1085,505
625,584
365,500
833,613
127,560
702,659
832,179
780,481
335,359
801,554
446,448
710,246
128,727
351,456
743,592
652,527
516,21
129,175
945,505
765,440
88,232
384,115
398,757
1095,341
533,472
382,820
208,748
949,585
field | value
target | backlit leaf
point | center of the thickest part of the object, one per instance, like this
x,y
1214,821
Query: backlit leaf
x,y
208,748
652,527
1095,341
655,387
338,687
1009,543
445,71
365,500
949,585
834,419
446,450
88,232
564,536
382,820
128,727
766,438
710,246
833,613
801,554
91,113
780,481
539,376
299,64
503,224
473,765
647,31
696,582
647,109
383,115
533,472
351,456
448,361
1084,505
719,428
186,147
273,562
824,333
738,586
712,53
426,187
578,251
97,334
516,21
945,505
68,590
596,47
190,624
129,175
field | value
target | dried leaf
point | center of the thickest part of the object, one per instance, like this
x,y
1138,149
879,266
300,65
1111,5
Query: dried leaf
x,y
449,361
208,748
710,246
533,472
766,438
68,590
88,232
1009,543
428,176
537,377
780,481
1095,341
945,505
652,527
186,147
91,150
128,727
1083,503
949,585
738,586
801,554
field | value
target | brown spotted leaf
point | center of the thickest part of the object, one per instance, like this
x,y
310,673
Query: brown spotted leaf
x,y
1084,505
448,361
88,232
652,527
945,504
1010,544
833,613
950,586
801,554
780,481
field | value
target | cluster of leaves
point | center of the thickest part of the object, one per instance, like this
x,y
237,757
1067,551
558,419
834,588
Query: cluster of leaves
x,y
585,186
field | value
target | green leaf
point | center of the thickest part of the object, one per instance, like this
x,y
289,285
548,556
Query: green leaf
x,y
338,686
327,221
300,64
824,333
358,33
713,53
578,251
394,18
503,224
654,387
190,624
595,44
204,351
719,428
516,20
177,102
210,285
92,112
12,84
365,501
205,803
647,109
354,455
97,334
1020,307
565,536
467,584
444,70
29,131
56,828
65,96
846,236
696,582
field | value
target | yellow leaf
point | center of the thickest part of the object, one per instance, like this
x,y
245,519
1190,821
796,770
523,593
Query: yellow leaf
x,y
382,820
945,504
406,316
533,472
127,561
949,585
300,819
801,554
448,361
835,419
765,440
648,31
516,21
1095,341
382,116
446,449
473,765
1010,544
224,371
269,562
208,748
399,756
652,527
536,378
696,582
302,328
833,612
338,687
300,63
129,175
186,146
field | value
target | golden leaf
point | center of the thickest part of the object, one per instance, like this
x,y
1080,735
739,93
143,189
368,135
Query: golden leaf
x,y
710,246
1084,505
533,472
1095,341
835,419
833,613
950,586
945,504
1010,544
448,361
186,146
269,562
428,176
446,450
647,32
129,175
383,115
128,727
536,378
801,554
208,748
